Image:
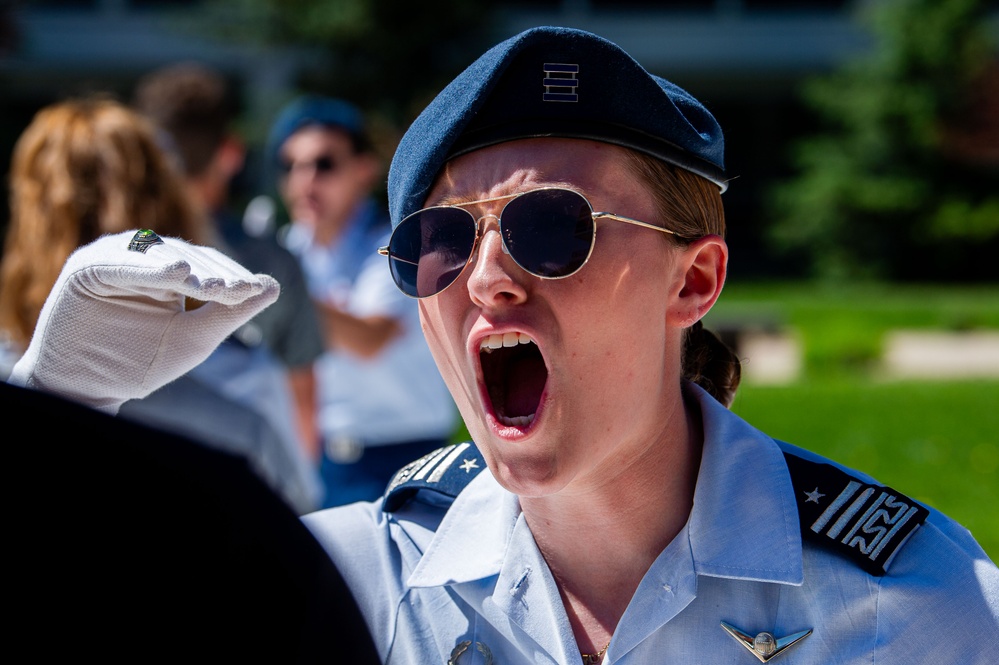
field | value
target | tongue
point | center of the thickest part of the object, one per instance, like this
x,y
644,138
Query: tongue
x,y
525,381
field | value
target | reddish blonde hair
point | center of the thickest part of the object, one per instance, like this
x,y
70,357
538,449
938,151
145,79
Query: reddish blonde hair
x,y
692,207
82,169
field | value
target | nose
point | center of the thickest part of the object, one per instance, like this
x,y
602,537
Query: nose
x,y
495,278
304,173
298,181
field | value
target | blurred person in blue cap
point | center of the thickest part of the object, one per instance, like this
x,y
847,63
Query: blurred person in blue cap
x,y
612,509
382,402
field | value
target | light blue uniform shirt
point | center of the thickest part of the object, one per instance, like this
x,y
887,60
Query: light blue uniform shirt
x,y
428,577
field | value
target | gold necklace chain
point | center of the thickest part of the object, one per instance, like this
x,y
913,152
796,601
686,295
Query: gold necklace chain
x,y
594,658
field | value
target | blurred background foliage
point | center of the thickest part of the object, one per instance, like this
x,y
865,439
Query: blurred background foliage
x,y
902,181
390,57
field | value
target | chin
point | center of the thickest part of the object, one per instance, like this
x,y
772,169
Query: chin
x,y
523,472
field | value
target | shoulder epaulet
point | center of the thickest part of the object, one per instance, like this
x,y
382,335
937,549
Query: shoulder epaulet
x,y
866,523
446,471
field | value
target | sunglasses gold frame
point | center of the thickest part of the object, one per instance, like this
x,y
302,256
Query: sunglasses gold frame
x,y
384,251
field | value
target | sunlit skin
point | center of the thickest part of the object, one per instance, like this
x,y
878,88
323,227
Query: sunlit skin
x,y
605,472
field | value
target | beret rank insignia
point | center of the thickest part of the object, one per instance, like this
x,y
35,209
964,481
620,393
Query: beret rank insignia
x,y
446,471
560,82
867,523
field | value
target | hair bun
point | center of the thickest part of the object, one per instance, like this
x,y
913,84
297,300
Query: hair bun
x,y
711,364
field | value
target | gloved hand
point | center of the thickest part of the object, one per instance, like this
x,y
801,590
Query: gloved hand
x,y
131,312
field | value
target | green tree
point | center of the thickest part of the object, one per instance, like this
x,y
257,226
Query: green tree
x,y
902,183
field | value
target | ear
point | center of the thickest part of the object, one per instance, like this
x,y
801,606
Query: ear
x,y
701,269
230,156
368,170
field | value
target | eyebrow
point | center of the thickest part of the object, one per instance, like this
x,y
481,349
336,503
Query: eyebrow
x,y
460,201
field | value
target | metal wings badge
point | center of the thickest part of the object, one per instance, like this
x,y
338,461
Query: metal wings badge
x,y
765,646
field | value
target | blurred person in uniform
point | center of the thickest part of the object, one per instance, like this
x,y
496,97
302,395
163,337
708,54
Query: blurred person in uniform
x,y
143,545
381,399
85,168
193,108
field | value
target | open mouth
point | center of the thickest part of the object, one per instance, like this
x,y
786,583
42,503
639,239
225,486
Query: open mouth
x,y
515,375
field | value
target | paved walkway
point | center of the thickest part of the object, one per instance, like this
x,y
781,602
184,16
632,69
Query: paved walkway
x,y
912,354
776,358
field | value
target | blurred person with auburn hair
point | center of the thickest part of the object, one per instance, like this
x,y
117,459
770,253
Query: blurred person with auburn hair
x,y
82,169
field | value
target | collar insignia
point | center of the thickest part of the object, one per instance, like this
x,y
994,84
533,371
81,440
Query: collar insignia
x,y
765,646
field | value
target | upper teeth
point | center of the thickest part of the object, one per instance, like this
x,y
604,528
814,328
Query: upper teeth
x,y
506,339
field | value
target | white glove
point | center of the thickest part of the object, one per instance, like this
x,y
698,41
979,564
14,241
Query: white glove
x,y
124,318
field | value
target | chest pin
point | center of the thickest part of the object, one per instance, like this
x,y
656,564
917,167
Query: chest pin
x,y
765,646
462,647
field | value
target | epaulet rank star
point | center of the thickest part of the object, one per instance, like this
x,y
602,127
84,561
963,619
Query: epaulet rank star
x,y
446,471
867,523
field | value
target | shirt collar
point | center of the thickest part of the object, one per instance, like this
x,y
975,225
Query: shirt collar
x,y
743,524
472,539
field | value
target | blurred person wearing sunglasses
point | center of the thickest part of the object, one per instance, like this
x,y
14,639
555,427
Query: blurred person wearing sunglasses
x,y
558,219
382,402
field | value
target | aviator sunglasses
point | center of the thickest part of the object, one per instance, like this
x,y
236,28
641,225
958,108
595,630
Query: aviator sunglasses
x,y
323,165
549,232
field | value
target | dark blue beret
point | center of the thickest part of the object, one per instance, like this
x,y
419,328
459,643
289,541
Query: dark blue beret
x,y
314,110
554,82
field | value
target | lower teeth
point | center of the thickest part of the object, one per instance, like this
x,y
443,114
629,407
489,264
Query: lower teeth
x,y
519,421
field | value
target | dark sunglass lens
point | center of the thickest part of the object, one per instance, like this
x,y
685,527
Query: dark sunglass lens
x,y
549,232
325,165
429,249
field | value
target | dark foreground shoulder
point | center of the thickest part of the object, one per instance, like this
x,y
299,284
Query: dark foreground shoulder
x,y
126,541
